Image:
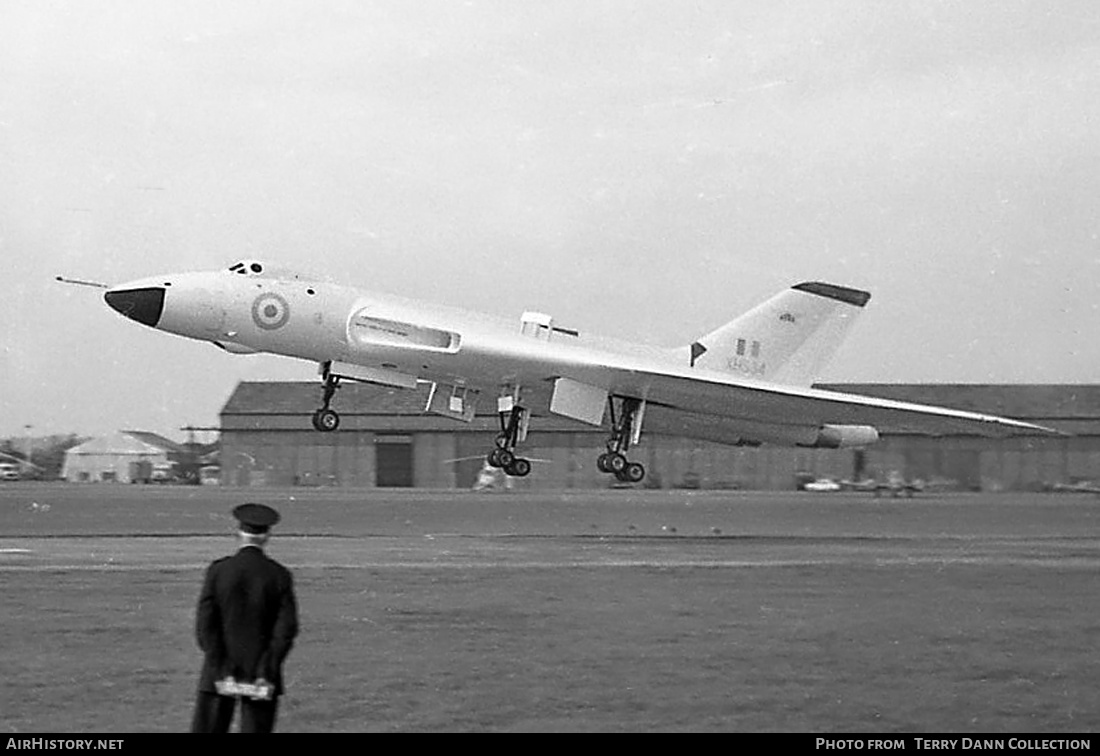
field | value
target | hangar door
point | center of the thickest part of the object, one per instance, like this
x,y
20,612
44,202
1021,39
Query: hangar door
x,y
393,461
963,466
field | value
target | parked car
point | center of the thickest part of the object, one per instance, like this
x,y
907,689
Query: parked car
x,y
821,485
163,473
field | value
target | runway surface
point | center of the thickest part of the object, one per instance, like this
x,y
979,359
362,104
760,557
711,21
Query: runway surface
x,y
544,552
573,611
127,527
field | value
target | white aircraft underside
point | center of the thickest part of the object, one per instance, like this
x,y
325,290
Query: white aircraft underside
x,y
747,382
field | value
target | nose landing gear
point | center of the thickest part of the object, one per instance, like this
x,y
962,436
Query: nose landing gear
x,y
326,419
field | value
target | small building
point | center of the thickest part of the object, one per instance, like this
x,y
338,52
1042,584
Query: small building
x,y
386,439
123,457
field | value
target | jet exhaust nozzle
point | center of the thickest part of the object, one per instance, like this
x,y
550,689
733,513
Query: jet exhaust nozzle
x,y
845,436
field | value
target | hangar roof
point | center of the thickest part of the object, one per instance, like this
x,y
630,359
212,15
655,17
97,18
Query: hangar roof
x,y
298,398
280,406
155,439
1071,407
140,443
1024,401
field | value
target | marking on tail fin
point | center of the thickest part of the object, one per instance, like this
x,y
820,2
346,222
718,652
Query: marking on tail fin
x,y
697,351
751,368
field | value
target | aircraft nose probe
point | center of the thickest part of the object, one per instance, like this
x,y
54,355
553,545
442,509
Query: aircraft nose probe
x,y
144,305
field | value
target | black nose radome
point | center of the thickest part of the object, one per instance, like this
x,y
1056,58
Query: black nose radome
x,y
143,305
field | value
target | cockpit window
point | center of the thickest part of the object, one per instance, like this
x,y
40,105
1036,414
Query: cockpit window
x,y
246,267
264,270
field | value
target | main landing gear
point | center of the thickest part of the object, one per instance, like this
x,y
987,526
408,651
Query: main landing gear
x,y
513,429
326,419
625,430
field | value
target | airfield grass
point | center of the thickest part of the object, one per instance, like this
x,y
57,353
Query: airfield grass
x,y
843,644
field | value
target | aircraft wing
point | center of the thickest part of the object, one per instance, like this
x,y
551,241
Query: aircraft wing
x,y
721,406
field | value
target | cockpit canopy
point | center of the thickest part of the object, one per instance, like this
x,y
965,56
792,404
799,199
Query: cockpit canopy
x,y
258,269
247,267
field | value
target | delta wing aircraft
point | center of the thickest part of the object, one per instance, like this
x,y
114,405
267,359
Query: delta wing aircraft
x,y
748,382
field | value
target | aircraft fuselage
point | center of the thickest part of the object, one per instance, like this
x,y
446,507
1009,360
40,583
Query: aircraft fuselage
x,y
398,337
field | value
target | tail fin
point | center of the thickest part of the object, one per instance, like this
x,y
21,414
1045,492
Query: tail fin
x,y
787,339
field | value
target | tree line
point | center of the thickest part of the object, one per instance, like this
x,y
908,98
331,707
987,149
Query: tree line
x,y
47,454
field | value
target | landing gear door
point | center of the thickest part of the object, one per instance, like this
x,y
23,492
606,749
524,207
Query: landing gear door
x,y
579,401
453,401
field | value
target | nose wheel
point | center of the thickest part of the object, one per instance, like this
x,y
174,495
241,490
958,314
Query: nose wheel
x,y
325,419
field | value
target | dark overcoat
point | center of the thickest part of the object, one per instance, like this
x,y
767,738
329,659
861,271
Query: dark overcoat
x,y
247,619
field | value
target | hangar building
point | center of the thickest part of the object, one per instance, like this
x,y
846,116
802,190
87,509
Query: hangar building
x,y
385,439
123,457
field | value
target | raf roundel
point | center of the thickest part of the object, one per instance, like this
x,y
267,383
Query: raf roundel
x,y
270,311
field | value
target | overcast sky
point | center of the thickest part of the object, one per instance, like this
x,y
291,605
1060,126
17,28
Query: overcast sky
x,y
646,170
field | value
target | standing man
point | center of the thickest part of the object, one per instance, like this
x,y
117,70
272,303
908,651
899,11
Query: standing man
x,y
246,622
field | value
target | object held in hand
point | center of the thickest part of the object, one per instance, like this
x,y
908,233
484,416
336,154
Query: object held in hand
x,y
261,690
